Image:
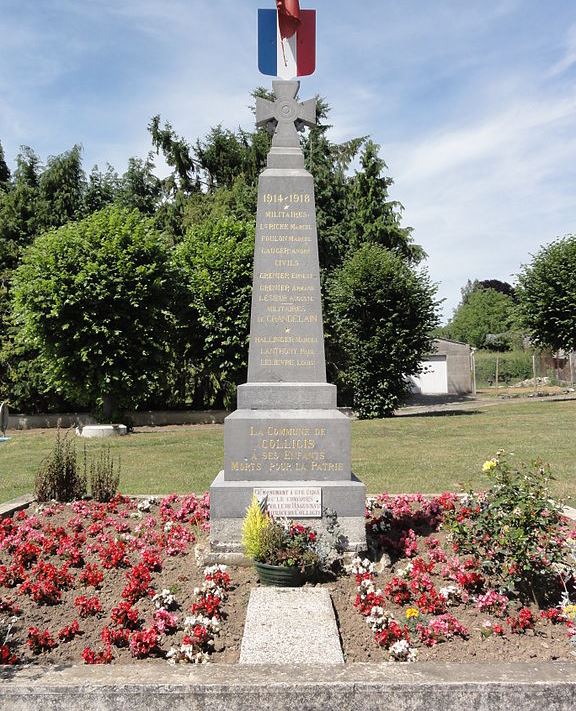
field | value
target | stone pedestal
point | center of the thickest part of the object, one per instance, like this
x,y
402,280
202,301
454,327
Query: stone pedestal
x,y
286,437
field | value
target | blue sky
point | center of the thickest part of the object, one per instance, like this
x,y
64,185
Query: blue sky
x,y
473,103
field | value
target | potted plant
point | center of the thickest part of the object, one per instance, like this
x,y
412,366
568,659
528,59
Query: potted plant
x,y
285,553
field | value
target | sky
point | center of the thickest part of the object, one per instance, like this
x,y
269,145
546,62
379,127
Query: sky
x,y
472,102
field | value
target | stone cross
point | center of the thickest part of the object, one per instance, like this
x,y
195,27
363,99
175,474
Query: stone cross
x,y
289,114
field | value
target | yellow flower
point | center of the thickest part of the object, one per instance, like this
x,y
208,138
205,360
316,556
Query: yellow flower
x,y
412,612
489,465
570,611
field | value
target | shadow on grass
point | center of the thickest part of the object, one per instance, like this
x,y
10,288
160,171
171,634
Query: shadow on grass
x,y
443,413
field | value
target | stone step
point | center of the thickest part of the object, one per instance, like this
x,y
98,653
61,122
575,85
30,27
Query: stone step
x,y
290,626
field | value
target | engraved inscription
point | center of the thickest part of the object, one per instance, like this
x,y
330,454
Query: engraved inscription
x,y
292,502
287,449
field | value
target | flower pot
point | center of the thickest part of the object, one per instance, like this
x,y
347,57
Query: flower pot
x,y
279,576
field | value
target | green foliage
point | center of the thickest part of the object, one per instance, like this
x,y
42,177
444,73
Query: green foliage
x,y
58,477
177,155
93,299
139,188
514,528
223,155
237,202
104,475
374,218
329,163
483,312
513,367
212,186
61,190
253,526
215,263
382,313
18,211
289,545
547,295
501,286
4,171
101,189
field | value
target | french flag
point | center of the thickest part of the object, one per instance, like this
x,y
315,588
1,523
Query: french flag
x,y
287,41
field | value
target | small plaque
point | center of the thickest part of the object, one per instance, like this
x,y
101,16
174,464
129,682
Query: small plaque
x,y
293,502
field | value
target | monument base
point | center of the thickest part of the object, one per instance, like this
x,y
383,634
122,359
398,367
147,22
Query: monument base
x,y
230,499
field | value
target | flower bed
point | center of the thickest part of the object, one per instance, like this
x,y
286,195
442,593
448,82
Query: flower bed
x,y
111,582
435,592
122,583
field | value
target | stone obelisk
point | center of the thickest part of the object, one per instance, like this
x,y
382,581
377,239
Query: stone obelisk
x,y
287,441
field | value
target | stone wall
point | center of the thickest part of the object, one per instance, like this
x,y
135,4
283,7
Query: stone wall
x,y
458,365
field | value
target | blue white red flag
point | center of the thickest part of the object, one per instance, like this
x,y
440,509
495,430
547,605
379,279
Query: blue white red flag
x,y
281,54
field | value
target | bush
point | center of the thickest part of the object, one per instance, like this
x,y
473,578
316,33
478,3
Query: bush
x,y
215,262
514,528
58,476
104,475
253,526
382,313
513,367
93,301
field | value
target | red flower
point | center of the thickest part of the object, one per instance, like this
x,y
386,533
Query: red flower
x,y
87,606
102,657
40,640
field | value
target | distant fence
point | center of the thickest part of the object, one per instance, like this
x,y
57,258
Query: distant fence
x,y
513,367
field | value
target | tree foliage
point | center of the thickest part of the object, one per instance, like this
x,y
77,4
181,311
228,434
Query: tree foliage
x,y
4,170
215,261
383,312
61,190
547,295
94,297
374,218
205,209
485,318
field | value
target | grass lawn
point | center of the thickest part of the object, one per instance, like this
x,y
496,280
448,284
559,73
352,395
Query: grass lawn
x,y
401,454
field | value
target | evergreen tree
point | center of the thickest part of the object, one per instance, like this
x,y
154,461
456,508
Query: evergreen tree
x,y
101,190
61,190
139,188
177,154
4,171
19,211
375,218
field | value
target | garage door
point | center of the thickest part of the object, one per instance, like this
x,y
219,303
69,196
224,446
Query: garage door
x,y
434,379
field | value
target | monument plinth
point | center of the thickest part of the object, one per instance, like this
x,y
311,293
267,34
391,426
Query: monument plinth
x,y
287,439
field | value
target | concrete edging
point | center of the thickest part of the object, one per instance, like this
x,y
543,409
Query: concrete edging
x,y
362,687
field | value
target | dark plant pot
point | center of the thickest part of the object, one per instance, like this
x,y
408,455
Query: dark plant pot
x,y
279,575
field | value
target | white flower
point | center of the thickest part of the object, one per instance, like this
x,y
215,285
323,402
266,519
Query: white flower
x,y
359,566
213,569
401,651
451,593
378,618
164,599
405,572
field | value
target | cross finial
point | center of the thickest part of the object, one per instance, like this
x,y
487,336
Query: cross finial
x,y
286,111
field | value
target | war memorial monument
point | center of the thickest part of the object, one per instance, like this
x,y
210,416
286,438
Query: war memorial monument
x,y
287,441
